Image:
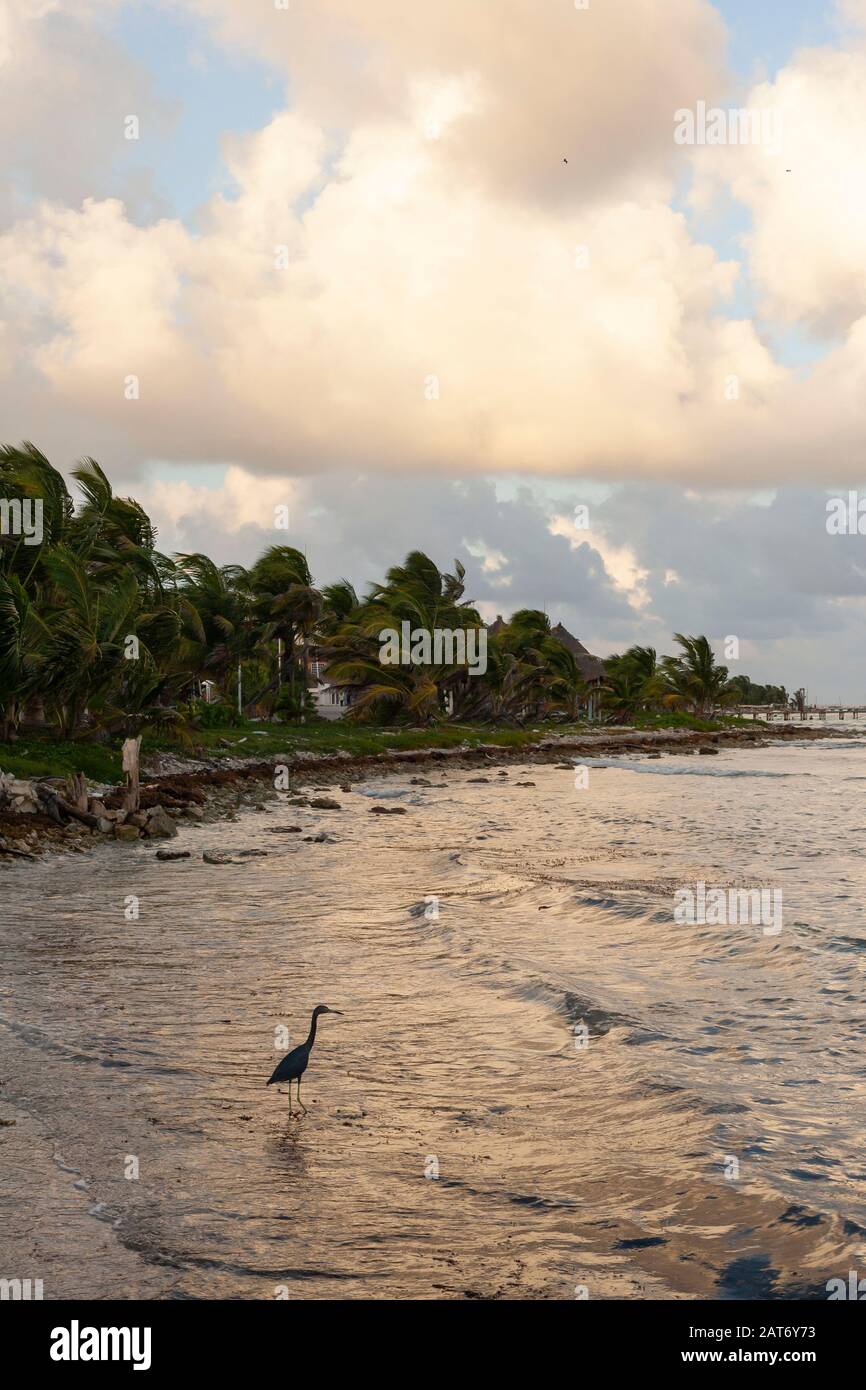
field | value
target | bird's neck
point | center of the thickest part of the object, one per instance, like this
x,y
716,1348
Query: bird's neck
x,y
313,1022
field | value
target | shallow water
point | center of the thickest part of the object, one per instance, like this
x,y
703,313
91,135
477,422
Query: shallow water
x,y
142,1155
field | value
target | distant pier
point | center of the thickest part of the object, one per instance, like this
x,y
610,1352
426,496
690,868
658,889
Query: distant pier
x,y
809,712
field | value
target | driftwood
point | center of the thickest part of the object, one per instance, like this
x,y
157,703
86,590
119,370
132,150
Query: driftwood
x,y
18,853
54,804
48,801
76,790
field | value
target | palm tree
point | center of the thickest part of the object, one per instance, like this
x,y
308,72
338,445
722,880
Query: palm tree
x,y
222,599
567,685
416,593
633,683
287,604
695,681
24,648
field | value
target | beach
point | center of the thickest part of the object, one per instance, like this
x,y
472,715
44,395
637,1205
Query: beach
x,y
540,1080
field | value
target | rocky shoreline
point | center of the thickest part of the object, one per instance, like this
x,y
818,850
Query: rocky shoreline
x,y
37,817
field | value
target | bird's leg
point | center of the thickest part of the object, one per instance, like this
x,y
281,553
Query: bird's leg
x,y
300,1102
291,1111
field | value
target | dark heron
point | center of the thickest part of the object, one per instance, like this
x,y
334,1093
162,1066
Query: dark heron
x,y
295,1063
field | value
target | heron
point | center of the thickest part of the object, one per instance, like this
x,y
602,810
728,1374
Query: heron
x,y
295,1063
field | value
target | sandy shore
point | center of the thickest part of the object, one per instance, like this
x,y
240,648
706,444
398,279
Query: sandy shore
x,y
177,789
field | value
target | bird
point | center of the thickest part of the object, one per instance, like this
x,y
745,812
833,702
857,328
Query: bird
x,y
295,1063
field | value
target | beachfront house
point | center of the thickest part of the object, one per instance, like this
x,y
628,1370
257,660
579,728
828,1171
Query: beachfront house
x,y
331,701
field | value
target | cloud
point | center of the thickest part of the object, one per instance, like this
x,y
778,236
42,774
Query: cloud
x,y
807,204
658,560
65,90
377,313
427,287
534,83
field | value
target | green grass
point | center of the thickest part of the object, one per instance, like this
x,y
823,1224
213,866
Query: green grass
x,y
677,720
358,739
44,757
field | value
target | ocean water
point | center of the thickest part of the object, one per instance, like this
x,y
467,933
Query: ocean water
x,y
542,1083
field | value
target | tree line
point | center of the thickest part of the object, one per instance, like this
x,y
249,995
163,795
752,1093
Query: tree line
x,y
101,634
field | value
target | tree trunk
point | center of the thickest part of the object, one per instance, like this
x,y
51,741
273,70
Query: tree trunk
x,y
132,796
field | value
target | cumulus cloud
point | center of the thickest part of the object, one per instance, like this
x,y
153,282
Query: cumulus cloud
x,y
381,314
66,88
807,202
532,84
407,277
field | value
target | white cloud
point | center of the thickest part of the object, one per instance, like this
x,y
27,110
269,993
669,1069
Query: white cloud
x,y
433,314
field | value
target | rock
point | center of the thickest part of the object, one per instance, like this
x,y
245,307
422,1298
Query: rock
x,y
387,810
160,826
138,818
251,853
323,838
708,752
524,784
325,803
126,833
285,829
485,780
653,755
217,858
193,813
103,826
345,787
173,854
298,801
420,782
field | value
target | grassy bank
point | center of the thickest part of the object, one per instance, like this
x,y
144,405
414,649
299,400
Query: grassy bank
x,y
45,757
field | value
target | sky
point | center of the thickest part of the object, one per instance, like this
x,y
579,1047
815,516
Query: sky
x,y
447,278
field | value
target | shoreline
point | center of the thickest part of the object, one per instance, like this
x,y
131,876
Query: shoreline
x,y
175,788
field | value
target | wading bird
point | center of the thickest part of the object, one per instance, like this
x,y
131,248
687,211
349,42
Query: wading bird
x,y
295,1063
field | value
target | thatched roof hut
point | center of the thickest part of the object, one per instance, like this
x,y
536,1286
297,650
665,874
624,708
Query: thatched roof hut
x,y
591,667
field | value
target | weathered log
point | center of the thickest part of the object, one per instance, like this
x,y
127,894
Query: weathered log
x,y
48,801
72,812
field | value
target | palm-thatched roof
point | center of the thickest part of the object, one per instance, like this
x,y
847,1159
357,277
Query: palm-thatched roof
x,y
591,668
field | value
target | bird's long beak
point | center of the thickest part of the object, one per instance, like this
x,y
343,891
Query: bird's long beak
x,y
336,1011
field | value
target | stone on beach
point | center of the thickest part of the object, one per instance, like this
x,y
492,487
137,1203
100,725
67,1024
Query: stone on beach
x,y
387,810
325,803
160,825
173,854
126,832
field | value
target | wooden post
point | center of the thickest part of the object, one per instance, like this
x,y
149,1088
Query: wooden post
x,y
131,747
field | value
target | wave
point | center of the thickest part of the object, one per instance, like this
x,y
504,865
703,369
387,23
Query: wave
x,y
666,770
